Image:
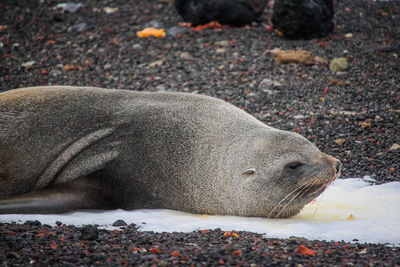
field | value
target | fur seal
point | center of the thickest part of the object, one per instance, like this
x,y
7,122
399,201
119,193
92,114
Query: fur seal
x,y
66,148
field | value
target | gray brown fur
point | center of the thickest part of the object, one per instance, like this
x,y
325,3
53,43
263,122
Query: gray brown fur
x,y
66,148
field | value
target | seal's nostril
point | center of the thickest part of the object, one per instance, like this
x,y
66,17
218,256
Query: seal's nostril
x,y
338,166
335,163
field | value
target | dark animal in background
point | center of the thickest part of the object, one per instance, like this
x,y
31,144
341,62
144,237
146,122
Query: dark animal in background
x,y
303,19
232,12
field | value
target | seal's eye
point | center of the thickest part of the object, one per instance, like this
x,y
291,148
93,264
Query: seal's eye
x,y
249,172
294,165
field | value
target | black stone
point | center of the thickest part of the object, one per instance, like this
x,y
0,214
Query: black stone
x,y
119,223
232,12
89,232
303,19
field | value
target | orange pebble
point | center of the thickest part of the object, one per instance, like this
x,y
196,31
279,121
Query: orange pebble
x,y
151,32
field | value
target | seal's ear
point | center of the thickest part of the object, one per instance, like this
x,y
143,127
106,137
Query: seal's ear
x,y
249,172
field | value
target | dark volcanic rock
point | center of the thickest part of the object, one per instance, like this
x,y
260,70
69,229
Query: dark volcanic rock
x,y
232,12
119,223
89,232
199,248
303,19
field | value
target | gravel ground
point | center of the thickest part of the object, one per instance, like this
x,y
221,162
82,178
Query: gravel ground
x,y
43,245
353,115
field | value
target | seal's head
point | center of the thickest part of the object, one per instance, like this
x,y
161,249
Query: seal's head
x,y
283,172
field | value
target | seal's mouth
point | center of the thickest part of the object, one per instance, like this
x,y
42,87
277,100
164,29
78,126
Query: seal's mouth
x,y
315,189
318,188
303,193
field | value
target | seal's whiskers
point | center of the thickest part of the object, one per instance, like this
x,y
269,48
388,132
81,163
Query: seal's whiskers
x,y
322,195
280,202
314,181
303,188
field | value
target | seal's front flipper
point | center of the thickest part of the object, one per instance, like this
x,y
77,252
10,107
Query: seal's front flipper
x,y
79,194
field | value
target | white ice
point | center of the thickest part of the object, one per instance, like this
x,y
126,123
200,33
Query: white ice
x,y
349,209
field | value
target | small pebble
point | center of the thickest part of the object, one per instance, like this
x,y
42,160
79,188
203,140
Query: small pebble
x,y
186,56
28,64
69,7
89,232
78,27
119,223
176,30
110,10
160,88
338,64
153,24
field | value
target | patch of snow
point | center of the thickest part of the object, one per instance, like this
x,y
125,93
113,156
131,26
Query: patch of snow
x,y
349,209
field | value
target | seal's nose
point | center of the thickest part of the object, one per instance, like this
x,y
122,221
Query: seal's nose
x,y
338,166
335,163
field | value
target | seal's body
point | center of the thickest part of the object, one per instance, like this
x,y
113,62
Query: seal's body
x,y
67,148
